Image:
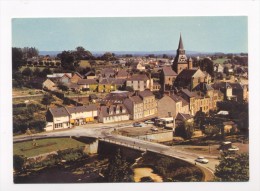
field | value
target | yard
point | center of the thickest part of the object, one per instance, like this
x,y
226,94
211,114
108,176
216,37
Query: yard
x,y
219,61
41,146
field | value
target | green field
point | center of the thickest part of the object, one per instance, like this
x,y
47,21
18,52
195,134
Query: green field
x,y
219,60
28,149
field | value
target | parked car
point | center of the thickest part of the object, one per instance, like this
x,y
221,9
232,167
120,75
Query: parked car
x,y
154,129
233,148
202,160
136,124
149,122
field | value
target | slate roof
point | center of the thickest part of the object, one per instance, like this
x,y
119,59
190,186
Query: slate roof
x,y
146,93
221,85
138,77
59,112
188,93
187,73
79,109
168,71
122,74
112,81
136,99
236,86
183,117
72,85
87,81
203,87
105,110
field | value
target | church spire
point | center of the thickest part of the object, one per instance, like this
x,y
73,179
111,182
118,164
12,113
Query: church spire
x,y
180,43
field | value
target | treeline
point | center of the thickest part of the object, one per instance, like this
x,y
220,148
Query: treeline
x,y
24,120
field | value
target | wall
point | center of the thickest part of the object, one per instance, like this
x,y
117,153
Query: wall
x,y
158,136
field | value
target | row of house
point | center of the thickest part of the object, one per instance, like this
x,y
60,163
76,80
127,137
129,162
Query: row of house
x,y
131,106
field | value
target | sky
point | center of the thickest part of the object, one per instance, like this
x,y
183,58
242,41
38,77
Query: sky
x,y
202,34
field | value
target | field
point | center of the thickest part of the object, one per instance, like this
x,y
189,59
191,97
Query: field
x,y
219,61
41,146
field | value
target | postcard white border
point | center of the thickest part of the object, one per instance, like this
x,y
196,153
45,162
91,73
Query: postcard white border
x,y
99,8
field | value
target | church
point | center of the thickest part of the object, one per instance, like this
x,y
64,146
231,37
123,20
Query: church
x,y
181,61
188,76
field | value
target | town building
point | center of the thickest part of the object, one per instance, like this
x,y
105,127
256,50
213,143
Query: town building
x,y
168,77
149,101
135,107
139,82
88,85
171,105
67,117
113,113
49,85
76,77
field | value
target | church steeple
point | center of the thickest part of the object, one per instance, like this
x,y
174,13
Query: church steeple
x,y
180,43
180,61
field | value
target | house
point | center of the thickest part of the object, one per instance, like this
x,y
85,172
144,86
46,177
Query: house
x,y
156,86
113,113
208,91
135,107
108,73
76,77
79,115
168,77
122,74
182,118
116,97
139,82
57,118
225,88
150,104
90,75
49,85
171,105
196,102
67,117
110,84
88,85
230,126
73,87
65,79
239,90
140,67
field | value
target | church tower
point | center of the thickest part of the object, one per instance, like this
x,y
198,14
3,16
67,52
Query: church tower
x,y
180,61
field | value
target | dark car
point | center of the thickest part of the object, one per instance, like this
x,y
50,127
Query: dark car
x,y
137,124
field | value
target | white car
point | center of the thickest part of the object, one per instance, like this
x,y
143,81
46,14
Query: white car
x,y
233,148
202,160
149,122
154,129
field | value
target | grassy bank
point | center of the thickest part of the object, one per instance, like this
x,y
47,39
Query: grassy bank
x,y
41,146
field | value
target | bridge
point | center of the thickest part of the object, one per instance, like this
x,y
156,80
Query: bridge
x,y
104,134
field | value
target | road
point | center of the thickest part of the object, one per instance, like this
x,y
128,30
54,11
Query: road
x,y
104,133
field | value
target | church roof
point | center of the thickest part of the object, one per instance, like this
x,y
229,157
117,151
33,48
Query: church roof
x,y
180,43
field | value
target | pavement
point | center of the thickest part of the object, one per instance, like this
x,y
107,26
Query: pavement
x,y
103,132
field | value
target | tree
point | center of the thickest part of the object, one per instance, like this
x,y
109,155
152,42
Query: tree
x,y
18,162
47,99
82,54
36,72
118,169
233,168
206,65
108,56
185,130
17,58
30,52
67,60
211,130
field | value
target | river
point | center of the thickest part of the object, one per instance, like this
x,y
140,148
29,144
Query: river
x,y
140,173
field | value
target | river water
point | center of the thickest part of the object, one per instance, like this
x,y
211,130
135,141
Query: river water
x,y
146,172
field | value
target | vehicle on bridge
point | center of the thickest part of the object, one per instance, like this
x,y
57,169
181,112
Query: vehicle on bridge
x,y
202,160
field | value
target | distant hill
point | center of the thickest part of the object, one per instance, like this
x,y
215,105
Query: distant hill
x,y
138,53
